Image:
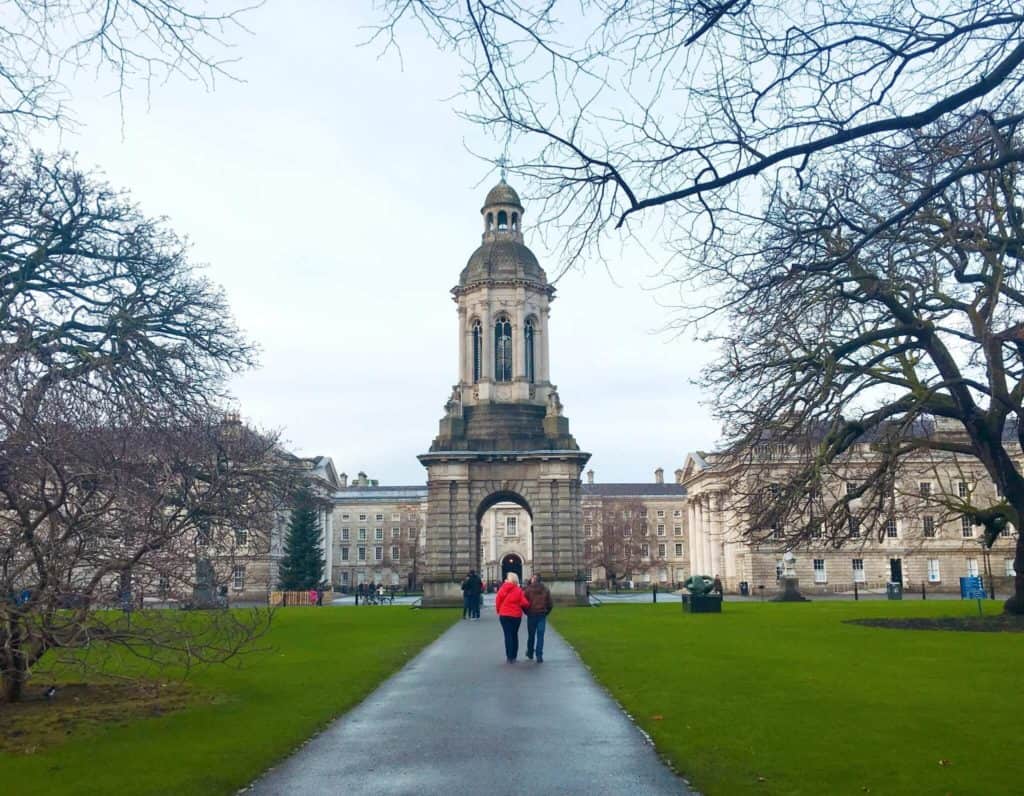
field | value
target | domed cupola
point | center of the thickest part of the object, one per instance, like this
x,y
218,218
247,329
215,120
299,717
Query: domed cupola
x,y
502,255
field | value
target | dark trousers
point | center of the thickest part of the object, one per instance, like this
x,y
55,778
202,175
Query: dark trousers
x,y
474,607
535,626
510,627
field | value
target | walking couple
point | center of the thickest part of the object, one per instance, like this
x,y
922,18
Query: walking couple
x,y
472,595
511,602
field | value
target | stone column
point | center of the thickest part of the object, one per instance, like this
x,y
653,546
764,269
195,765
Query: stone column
x,y
705,522
465,345
543,373
519,338
487,363
691,535
717,541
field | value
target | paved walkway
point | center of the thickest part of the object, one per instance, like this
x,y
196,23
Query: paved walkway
x,y
459,720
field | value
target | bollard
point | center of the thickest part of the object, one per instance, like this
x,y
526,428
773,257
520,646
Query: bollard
x,y
654,593
856,595
924,591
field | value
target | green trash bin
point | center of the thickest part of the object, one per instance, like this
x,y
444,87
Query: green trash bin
x,y
894,591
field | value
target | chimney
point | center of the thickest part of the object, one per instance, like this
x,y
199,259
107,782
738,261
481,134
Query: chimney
x,y
590,476
659,476
679,475
361,479
343,478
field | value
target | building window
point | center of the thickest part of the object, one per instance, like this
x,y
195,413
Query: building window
x,y
394,553
362,534
677,513
362,518
679,548
928,524
661,514
891,529
627,531
412,533
588,530
645,551
961,489
379,518
815,530
478,353
661,529
966,529
819,570
1010,571
972,567
396,533
396,517
933,570
378,534
344,554
510,526
344,579
926,489
238,577
858,570
777,532
851,487
503,349
345,534
677,530
346,516
378,553
241,537
661,551
854,528
361,554
528,340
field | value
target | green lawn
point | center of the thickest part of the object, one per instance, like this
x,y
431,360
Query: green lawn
x,y
786,699
245,717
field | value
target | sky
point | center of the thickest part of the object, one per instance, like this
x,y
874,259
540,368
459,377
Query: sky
x,y
333,194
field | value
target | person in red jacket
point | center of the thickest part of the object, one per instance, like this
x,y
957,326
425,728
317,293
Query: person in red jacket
x,y
510,603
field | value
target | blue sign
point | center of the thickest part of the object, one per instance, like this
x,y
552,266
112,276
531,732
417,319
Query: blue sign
x,y
971,588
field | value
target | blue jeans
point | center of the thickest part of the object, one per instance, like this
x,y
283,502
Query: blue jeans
x,y
510,627
535,634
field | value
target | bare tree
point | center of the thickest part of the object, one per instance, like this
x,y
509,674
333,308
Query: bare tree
x,y
852,349
45,42
616,545
118,471
614,108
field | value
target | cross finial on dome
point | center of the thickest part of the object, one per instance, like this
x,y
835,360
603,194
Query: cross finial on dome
x,y
502,163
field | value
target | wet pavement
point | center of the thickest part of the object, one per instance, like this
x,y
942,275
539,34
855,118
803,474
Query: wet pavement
x,y
458,719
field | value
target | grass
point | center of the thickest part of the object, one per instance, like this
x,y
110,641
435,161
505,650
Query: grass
x,y
241,718
788,699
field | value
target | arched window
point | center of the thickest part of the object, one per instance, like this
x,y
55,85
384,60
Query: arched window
x,y
490,221
515,221
528,358
502,219
478,351
503,349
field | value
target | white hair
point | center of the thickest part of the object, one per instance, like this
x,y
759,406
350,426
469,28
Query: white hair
x,y
512,577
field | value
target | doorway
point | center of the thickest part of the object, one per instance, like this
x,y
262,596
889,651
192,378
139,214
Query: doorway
x,y
896,570
511,563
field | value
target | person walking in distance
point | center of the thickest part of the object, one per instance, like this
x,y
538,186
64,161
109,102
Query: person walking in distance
x,y
476,588
469,597
509,603
541,604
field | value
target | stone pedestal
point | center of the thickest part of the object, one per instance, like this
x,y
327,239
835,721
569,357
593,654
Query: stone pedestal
x,y
790,592
702,603
442,595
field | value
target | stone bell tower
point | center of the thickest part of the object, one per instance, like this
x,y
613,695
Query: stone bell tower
x,y
503,436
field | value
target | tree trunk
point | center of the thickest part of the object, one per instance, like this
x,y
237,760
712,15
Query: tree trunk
x,y
1015,605
13,671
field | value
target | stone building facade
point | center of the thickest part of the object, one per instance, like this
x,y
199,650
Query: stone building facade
x,y
919,542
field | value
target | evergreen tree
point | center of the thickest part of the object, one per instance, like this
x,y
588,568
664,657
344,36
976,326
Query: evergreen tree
x,y
303,564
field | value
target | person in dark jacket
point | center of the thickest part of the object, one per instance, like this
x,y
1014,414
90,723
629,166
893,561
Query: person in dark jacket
x,y
540,606
471,596
509,603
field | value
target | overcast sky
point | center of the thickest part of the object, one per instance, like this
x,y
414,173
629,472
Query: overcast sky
x,y
333,197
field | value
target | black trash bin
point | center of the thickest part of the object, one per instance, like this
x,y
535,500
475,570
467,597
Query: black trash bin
x,y
894,591
744,588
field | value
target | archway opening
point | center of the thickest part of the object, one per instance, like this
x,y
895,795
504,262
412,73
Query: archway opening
x,y
511,562
505,538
